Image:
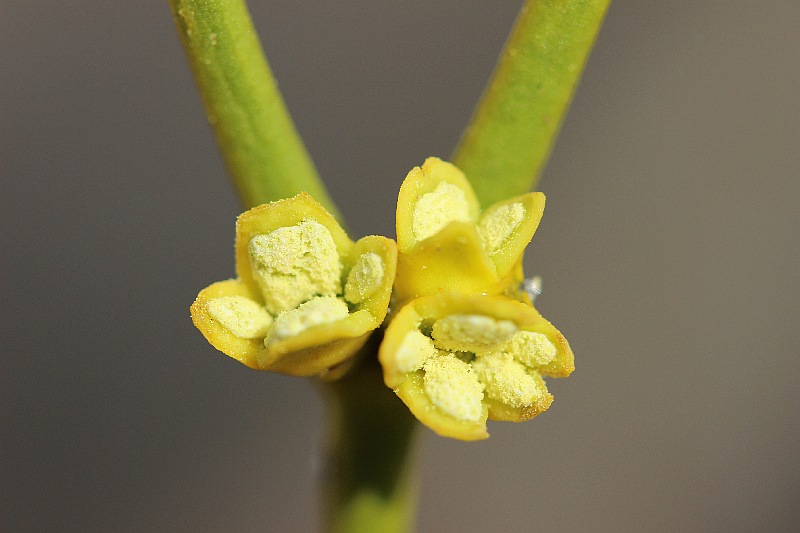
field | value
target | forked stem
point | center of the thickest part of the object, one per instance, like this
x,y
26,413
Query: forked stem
x,y
370,482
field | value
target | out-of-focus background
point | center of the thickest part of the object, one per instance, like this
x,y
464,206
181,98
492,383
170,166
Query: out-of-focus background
x,y
669,252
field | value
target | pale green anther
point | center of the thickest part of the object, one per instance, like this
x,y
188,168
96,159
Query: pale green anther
x,y
364,279
241,316
415,349
506,380
294,264
531,349
496,226
453,387
471,333
438,208
322,310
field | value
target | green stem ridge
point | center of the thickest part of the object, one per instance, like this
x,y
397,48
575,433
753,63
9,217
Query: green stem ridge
x,y
515,124
258,140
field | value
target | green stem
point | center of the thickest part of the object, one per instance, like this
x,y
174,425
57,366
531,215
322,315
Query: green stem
x,y
261,147
370,480
513,129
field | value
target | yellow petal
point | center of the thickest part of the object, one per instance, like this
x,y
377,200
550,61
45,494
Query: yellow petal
x,y
223,339
511,247
453,260
412,392
423,181
376,299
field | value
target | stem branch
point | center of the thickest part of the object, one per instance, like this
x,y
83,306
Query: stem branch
x,y
258,140
515,124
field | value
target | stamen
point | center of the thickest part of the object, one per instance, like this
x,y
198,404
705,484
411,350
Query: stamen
x,y
471,333
531,349
322,310
453,387
241,316
364,278
293,264
415,349
506,380
497,225
438,208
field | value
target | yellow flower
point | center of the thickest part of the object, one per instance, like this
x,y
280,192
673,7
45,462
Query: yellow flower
x,y
447,244
305,298
456,360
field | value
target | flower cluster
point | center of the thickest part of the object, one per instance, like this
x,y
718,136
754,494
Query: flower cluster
x,y
463,342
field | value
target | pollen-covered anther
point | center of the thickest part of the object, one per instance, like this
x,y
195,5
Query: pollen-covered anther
x,y
241,316
364,278
294,264
531,349
506,380
414,351
471,333
453,387
317,311
434,210
497,225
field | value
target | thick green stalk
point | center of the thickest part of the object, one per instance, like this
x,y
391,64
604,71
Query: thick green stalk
x,y
261,147
514,126
370,480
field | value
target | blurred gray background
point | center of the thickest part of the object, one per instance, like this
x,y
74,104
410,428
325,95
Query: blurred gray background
x,y
669,252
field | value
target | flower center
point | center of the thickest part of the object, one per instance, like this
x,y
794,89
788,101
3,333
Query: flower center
x,y
298,271
471,356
